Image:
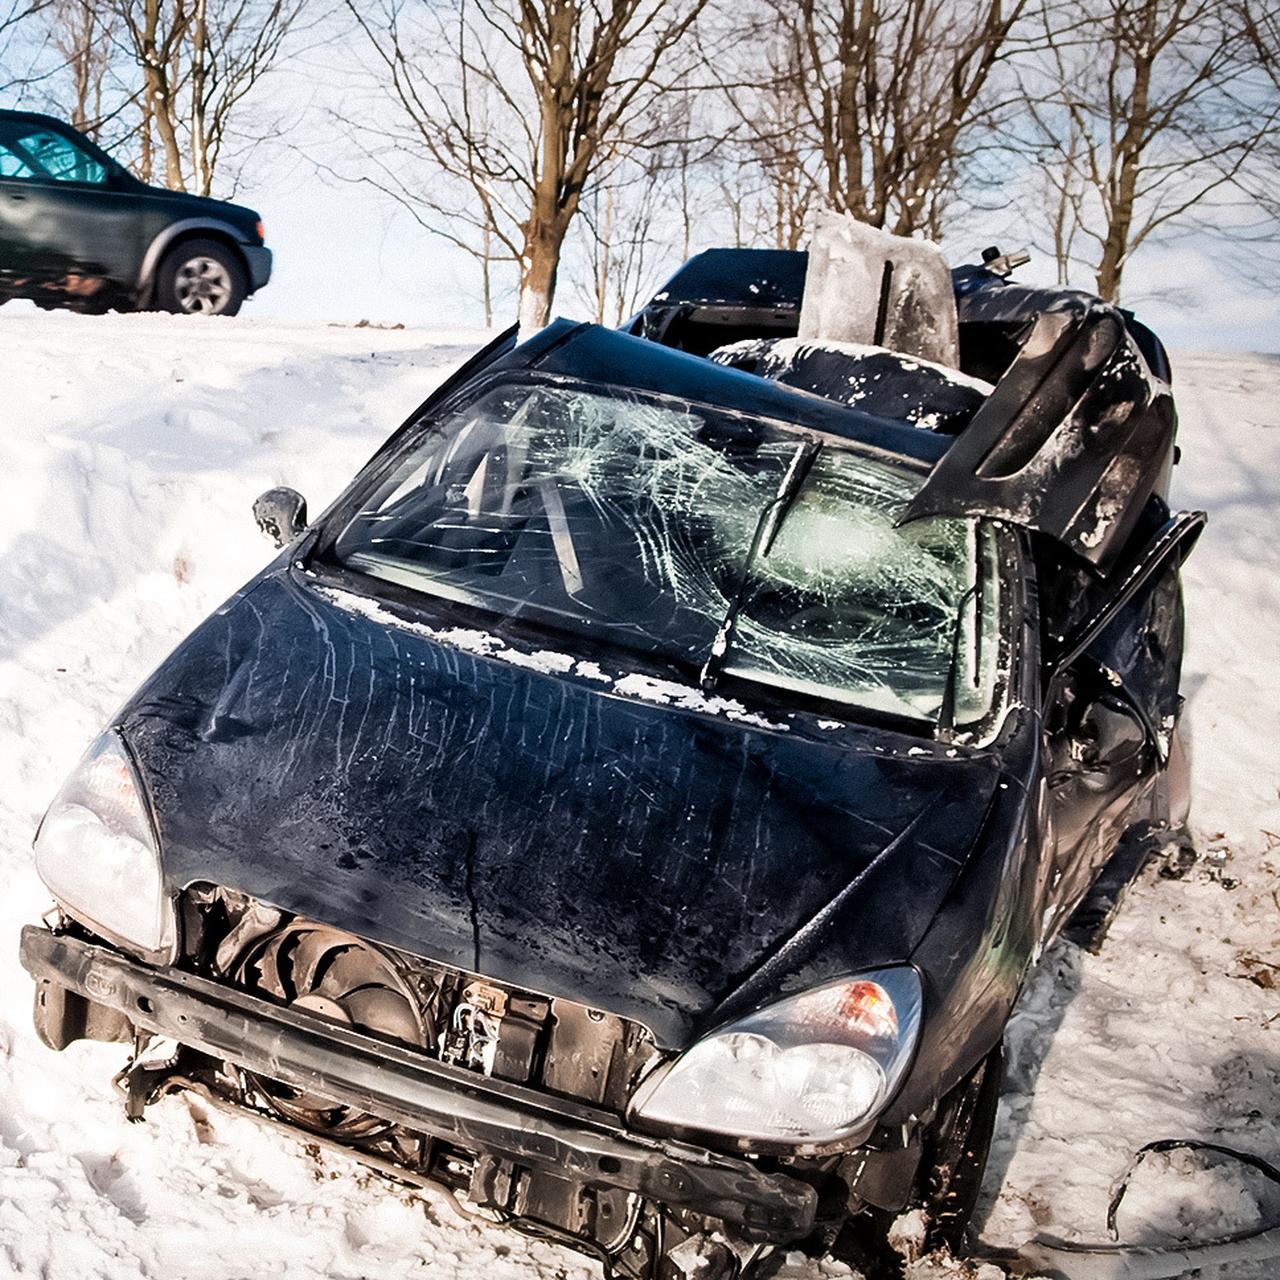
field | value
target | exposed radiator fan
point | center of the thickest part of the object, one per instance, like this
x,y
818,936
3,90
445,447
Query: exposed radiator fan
x,y
340,977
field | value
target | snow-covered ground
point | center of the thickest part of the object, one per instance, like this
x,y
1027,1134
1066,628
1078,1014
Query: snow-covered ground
x,y
130,450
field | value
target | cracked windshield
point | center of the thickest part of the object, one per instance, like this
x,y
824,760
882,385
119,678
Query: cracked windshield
x,y
632,521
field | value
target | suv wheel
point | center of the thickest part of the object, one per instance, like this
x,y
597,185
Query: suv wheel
x,y
201,277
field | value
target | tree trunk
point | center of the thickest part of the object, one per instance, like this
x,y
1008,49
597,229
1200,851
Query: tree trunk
x,y
146,165
83,42
539,263
1121,210
686,213
1111,267
200,167
159,96
173,178
487,276
605,267
1123,193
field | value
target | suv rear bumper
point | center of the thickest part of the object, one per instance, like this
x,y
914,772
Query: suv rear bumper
x,y
258,260
479,1113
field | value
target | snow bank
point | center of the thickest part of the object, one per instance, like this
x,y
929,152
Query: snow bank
x,y
131,449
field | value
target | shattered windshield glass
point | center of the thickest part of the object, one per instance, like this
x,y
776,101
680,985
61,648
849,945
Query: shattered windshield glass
x,y
630,520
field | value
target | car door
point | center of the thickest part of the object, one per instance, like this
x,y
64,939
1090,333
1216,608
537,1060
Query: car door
x,y
1111,695
66,227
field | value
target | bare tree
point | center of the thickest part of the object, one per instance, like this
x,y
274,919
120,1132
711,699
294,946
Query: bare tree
x,y
767,166
83,34
1260,182
1260,20
199,60
1146,110
871,107
15,18
635,224
514,103
233,44
156,32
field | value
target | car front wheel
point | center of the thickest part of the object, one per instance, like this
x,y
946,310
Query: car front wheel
x,y
953,1158
201,277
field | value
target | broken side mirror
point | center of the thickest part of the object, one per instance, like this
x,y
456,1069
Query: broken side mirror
x,y
281,514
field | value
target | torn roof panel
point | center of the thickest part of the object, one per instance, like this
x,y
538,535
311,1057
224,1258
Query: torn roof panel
x,y
591,353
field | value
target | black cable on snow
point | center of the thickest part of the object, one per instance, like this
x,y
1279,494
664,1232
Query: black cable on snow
x,y
1067,1260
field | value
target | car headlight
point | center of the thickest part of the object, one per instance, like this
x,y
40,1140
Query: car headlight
x,y
811,1071
96,852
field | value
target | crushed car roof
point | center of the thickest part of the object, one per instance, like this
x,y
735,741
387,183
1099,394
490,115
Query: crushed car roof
x,y
591,353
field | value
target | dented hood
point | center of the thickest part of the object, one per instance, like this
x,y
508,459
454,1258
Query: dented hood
x,y
518,816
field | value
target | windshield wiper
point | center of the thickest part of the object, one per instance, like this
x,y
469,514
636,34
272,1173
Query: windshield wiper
x,y
767,527
947,711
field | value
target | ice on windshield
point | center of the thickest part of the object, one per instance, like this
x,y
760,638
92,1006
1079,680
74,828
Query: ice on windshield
x,y
628,521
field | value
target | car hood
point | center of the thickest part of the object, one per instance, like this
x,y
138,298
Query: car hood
x,y
623,843
186,204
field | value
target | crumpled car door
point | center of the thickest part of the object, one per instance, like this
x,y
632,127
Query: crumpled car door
x,y
1075,437
1112,701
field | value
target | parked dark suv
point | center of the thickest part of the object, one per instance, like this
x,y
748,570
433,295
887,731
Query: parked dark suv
x,y
78,230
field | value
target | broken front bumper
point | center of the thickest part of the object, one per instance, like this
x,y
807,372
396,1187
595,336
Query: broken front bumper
x,y
479,1113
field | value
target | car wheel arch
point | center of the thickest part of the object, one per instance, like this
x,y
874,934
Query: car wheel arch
x,y
175,234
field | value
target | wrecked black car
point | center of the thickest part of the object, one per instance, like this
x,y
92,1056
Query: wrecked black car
x,y
636,802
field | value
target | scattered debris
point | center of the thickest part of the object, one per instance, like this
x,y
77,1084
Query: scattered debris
x,y
1261,973
907,1234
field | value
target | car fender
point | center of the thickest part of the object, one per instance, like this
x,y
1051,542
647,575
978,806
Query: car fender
x,y
172,233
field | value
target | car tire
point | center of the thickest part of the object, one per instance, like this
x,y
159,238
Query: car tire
x,y
956,1147
954,1150
201,277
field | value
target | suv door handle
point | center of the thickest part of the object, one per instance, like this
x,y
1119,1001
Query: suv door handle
x,y
17,195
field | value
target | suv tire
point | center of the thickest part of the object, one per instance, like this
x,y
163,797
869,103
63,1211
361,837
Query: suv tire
x,y
201,277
